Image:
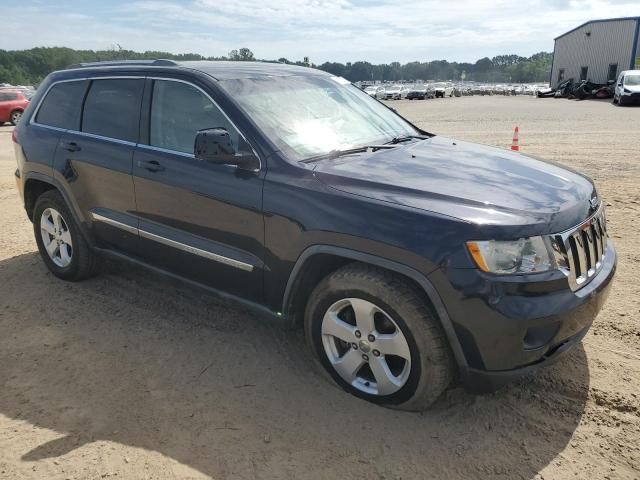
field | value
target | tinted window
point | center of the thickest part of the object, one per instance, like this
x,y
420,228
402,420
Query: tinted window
x,y
61,107
112,108
178,111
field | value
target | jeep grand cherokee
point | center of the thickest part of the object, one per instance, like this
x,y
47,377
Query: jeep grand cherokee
x,y
408,258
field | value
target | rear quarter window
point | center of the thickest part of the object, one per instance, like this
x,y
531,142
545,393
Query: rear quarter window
x,y
112,108
61,105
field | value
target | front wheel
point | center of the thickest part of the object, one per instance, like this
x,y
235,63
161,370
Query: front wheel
x,y
377,338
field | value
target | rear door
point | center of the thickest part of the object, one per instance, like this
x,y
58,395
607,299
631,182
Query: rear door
x,y
95,160
199,220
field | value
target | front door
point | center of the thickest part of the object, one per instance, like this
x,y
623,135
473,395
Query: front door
x,y
196,219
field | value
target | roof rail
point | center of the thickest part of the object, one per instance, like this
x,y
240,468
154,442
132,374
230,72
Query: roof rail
x,y
117,63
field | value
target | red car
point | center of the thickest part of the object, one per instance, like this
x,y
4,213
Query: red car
x,y
12,104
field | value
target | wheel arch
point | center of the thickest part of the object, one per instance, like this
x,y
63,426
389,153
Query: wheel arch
x,y
35,184
33,188
318,261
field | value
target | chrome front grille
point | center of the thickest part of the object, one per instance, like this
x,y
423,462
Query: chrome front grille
x,y
581,250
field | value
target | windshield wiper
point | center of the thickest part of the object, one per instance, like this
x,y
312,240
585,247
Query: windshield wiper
x,y
406,138
341,153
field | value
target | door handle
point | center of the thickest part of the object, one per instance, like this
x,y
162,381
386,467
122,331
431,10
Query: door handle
x,y
71,146
151,165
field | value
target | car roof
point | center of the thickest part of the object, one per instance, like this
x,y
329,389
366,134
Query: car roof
x,y
227,70
218,69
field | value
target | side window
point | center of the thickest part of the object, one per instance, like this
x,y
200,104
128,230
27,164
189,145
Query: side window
x,y
61,107
178,111
3,97
112,108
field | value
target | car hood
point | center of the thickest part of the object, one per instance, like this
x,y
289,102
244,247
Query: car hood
x,y
633,88
481,185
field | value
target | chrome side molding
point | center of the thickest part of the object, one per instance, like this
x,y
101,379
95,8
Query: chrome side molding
x,y
173,243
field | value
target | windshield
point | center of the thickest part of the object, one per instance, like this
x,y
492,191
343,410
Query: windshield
x,y
632,80
307,116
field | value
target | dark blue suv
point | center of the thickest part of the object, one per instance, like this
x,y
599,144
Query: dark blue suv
x,y
409,259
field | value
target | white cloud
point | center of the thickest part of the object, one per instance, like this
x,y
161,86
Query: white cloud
x,y
337,30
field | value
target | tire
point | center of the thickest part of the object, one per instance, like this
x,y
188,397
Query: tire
x,y
394,307
15,117
621,101
615,100
75,261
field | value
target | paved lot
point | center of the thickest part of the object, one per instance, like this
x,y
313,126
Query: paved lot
x,y
130,375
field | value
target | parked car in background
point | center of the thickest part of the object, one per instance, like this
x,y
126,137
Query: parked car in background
x,y
420,92
12,105
627,90
443,90
395,92
375,92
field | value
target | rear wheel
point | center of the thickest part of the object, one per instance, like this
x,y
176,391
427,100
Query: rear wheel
x,y
15,117
377,338
63,248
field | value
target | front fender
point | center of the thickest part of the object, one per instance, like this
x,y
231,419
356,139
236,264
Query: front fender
x,y
402,269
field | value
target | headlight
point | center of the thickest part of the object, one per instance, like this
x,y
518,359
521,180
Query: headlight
x,y
527,255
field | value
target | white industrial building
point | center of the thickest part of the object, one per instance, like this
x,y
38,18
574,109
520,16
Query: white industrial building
x,y
597,51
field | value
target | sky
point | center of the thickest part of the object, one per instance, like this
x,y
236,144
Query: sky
x,y
379,31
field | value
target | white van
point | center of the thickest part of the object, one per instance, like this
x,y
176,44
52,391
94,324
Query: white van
x,y
627,89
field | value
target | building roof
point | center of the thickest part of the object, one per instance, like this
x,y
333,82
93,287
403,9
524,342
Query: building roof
x,y
597,21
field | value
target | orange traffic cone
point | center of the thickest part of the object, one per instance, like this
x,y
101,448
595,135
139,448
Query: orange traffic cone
x,y
514,143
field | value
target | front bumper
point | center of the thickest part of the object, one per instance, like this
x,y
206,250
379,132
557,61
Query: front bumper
x,y
510,329
631,97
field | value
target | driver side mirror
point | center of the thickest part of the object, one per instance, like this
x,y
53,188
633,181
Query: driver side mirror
x,y
214,145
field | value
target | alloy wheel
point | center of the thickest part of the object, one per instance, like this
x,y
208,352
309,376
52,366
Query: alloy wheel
x,y
15,117
366,347
56,237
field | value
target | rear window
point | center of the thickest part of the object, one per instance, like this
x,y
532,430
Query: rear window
x,y
61,107
112,108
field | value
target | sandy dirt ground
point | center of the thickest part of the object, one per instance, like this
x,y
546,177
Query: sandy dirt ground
x,y
131,375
